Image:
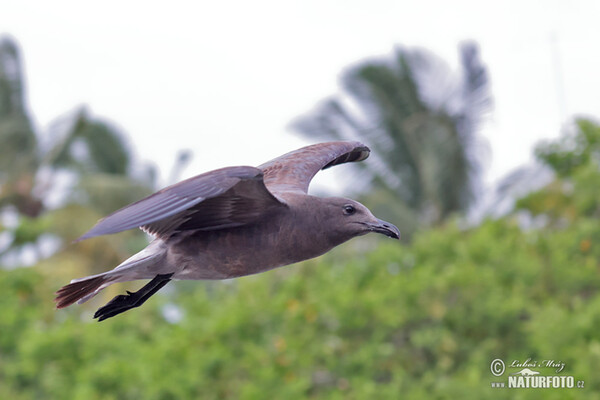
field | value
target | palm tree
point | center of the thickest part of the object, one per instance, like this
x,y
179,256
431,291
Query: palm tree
x,y
81,160
420,119
19,143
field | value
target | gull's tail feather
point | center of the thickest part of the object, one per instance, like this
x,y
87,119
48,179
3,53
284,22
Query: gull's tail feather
x,y
81,290
143,265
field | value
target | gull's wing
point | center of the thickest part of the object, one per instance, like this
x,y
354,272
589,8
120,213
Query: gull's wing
x,y
218,199
293,171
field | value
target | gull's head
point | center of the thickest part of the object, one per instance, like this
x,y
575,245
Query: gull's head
x,y
349,218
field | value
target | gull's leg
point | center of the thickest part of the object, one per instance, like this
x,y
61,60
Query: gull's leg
x,y
124,302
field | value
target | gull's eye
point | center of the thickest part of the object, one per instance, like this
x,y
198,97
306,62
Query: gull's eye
x,y
349,209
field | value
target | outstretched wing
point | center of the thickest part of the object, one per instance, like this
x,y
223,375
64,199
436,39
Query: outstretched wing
x,y
218,199
293,171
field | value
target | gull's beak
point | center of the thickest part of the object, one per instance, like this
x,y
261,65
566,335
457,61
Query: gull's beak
x,y
385,228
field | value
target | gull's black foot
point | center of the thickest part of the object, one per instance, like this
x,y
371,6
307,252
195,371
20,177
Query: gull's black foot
x,y
124,302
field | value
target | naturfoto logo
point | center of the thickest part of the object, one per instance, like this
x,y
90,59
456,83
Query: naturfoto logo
x,y
526,375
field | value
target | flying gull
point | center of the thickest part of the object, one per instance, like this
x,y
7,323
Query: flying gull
x,y
231,222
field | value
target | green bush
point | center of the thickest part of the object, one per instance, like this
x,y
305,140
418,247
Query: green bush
x,y
419,321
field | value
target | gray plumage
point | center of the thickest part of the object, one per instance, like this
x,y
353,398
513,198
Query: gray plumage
x,y
231,222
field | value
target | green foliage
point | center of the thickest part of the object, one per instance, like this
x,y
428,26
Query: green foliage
x,y
573,151
423,321
101,148
29,230
575,193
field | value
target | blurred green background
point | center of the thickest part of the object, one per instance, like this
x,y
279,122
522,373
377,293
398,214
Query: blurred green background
x,y
371,319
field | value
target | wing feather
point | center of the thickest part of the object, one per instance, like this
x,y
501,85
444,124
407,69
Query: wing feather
x,y
293,171
162,212
228,197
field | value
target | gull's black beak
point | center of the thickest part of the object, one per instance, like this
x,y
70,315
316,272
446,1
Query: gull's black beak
x,y
385,228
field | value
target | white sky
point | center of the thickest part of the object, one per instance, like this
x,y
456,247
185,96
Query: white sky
x,y
225,78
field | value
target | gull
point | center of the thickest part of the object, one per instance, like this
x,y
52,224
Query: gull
x,y
231,222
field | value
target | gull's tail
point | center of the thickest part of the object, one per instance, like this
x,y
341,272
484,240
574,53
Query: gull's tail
x,y
142,265
81,290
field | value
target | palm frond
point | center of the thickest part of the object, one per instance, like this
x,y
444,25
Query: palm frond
x,y
420,119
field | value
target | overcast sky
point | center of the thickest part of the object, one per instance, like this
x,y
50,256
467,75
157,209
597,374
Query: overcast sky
x,y
225,78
